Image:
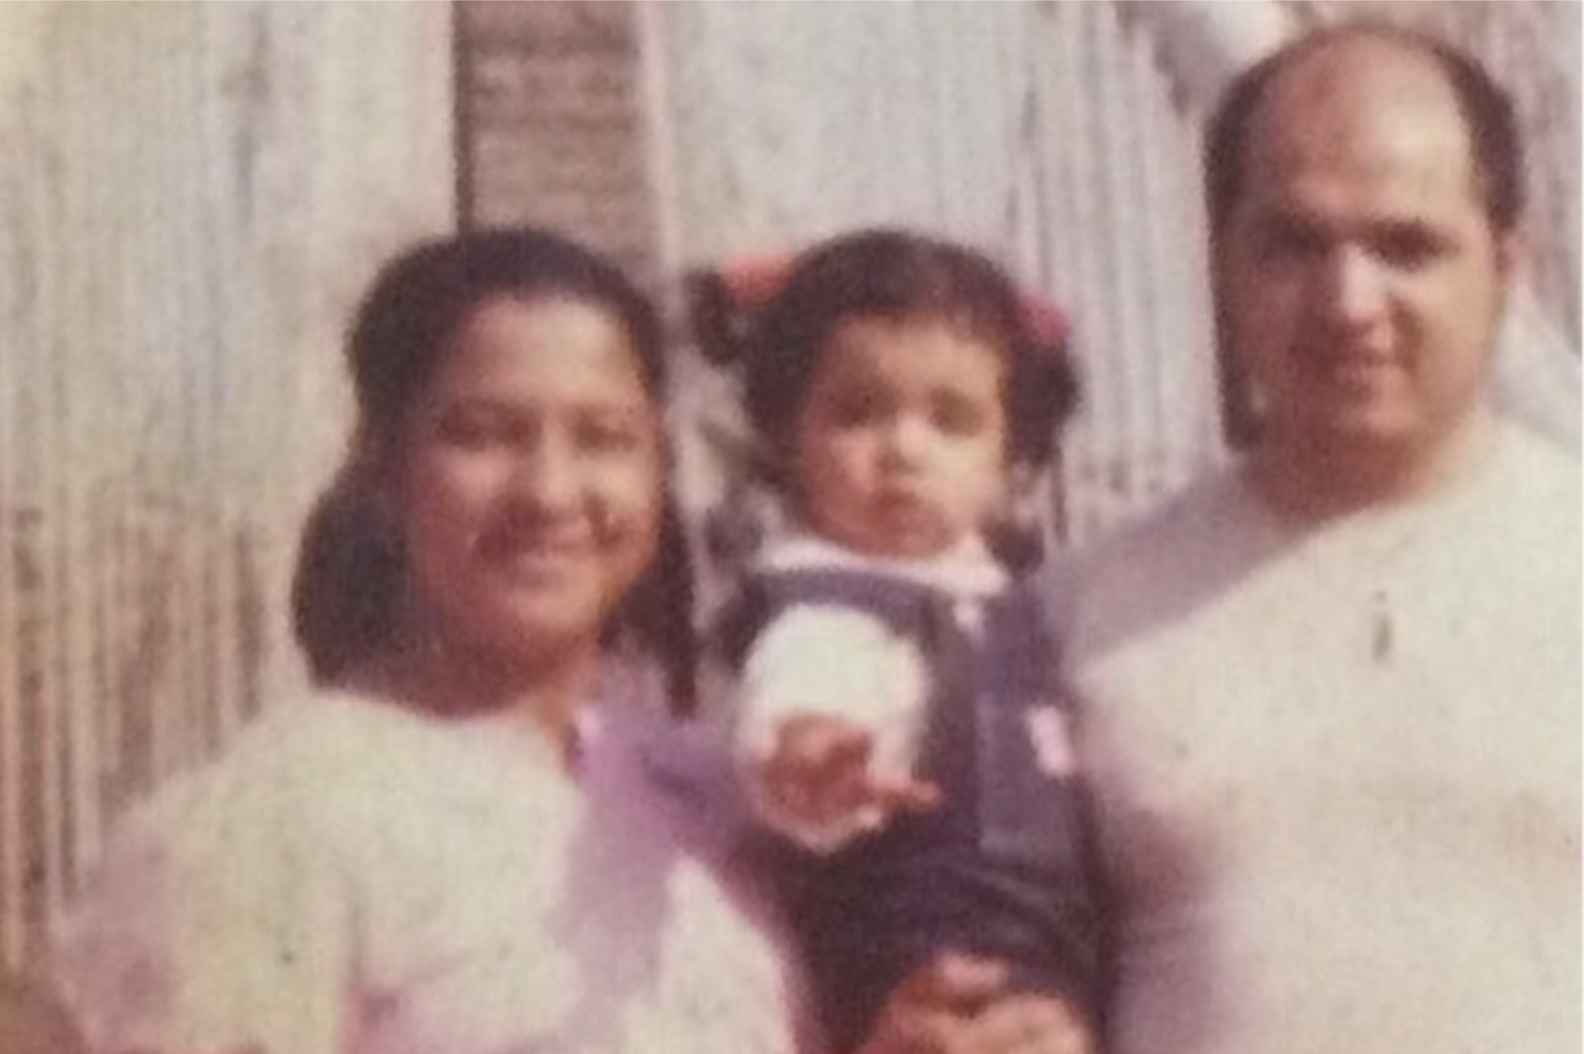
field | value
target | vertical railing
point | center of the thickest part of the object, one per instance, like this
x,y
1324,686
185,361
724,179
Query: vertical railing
x,y
1123,225
1042,133
192,196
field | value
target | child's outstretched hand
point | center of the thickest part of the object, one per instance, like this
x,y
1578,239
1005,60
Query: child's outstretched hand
x,y
819,786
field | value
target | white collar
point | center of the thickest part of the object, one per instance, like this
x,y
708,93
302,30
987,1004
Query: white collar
x,y
965,571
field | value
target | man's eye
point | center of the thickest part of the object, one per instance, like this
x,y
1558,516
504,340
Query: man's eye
x,y
1409,246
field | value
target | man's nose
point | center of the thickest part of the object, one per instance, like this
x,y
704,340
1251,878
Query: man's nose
x,y
1355,286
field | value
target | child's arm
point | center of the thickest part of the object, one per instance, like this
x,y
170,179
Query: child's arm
x,y
830,712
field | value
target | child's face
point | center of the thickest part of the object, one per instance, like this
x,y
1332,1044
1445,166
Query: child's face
x,y
900,446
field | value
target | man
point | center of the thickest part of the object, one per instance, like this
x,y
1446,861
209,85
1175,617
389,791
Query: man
x,y
1332,695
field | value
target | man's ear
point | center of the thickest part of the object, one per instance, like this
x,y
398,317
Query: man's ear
x,y
1239,410
1514,256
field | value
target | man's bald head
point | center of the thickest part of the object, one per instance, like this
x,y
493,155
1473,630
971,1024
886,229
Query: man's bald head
x,y
1495,145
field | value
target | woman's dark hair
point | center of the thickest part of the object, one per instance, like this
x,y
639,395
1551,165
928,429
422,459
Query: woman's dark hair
x,y
1496,145
350,571
897,275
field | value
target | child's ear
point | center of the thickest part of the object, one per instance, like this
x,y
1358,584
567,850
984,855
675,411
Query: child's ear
x,y
1017,534
735,525
715,319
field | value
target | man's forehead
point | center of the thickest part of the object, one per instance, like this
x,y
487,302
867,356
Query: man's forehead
x,y
1363,110
1359,82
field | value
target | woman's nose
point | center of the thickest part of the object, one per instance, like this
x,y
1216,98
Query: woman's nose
x,y
544,472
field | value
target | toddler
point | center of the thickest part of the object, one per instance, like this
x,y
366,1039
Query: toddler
x,y
896,719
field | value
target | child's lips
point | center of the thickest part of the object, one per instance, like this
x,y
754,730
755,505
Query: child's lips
x,y
906,509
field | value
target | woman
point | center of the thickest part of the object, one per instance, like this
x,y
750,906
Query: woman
x,y
457,844
464,841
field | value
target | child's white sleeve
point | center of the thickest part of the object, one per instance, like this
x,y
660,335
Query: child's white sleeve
x,y
832,660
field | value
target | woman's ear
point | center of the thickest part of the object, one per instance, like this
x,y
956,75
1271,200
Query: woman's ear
x,y
373,480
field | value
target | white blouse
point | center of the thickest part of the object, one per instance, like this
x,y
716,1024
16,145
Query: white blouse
x,y
357,878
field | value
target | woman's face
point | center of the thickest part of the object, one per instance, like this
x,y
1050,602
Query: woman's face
x,y
528,479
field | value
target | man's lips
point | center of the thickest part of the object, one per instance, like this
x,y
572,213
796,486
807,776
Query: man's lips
x,y
1355,367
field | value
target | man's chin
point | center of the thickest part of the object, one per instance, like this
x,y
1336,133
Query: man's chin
x,y
1365,424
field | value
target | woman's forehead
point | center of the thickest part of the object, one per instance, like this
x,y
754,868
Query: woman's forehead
x,y
550,345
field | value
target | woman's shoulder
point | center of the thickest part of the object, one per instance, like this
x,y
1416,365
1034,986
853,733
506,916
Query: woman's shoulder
x,y
314,769
318,740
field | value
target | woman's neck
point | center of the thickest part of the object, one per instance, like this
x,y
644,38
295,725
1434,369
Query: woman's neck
x,y
439,675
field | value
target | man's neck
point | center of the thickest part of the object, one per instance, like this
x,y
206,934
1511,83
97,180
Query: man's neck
x,y
1317,481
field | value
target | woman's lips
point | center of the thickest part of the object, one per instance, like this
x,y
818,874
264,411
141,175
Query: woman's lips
x,y
534,552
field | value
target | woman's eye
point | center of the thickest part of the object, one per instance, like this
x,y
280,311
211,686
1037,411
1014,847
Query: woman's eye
x,y
473,431
610,436
1282,241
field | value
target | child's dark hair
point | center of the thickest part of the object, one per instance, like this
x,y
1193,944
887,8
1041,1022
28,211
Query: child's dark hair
x,y
349,573
893,274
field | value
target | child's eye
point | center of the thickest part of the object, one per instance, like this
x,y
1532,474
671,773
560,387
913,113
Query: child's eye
x,y
855,409
960,417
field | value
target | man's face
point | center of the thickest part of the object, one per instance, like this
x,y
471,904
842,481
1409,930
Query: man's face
x,y
1360,277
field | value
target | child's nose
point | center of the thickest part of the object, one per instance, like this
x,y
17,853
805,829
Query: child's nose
x,y
907,437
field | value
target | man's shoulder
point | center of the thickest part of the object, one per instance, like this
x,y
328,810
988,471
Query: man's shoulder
x,y
1534,505
1161,554
1195,517
1539,467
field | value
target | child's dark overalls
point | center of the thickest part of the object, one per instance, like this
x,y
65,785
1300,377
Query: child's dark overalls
x,y
1000,868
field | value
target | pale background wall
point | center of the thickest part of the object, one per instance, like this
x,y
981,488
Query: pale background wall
x,y
192,195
